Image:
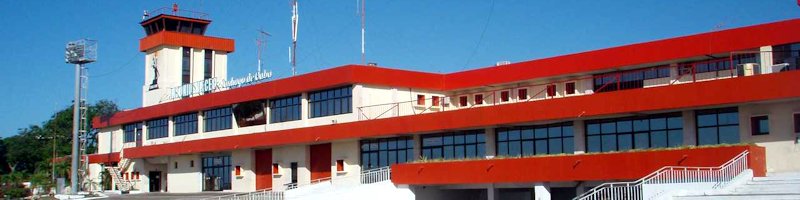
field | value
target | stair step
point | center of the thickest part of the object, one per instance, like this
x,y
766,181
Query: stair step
x,y
781,196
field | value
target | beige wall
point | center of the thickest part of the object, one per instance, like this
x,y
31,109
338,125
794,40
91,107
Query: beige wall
x,y
246,181
349,152
284,156
783,150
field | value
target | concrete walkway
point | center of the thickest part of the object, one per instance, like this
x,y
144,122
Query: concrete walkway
x,y
173,196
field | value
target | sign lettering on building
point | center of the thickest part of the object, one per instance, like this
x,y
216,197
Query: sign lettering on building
x,y
216,84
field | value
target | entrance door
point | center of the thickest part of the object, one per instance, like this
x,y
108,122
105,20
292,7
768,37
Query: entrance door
x,y
263,169
155,181
320,161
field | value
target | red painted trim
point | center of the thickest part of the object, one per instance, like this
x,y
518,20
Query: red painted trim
x,y
586,167
736,39
675,48
104,158
329,78
683,96
185,39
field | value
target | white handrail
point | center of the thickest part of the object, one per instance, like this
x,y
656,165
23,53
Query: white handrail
x,y
720,176
366,177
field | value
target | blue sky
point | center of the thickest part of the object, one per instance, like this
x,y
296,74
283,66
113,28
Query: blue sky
x,y
433,36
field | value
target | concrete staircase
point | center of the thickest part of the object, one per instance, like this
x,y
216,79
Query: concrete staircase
x,y
784,185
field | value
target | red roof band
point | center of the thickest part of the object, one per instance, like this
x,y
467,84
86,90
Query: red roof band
x,y
661,50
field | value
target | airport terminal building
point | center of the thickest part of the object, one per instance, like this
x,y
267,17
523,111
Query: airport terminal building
x,y
552,128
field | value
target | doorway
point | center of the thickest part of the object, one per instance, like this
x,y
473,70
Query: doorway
x,y
155,181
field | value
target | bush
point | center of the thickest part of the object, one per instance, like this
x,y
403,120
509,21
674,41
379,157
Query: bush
x,y
14,191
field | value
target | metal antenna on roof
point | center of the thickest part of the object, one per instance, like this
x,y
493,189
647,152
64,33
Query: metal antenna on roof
x,y
293,49
261,42
362,11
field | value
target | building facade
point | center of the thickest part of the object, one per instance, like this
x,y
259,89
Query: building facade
x,y
551,127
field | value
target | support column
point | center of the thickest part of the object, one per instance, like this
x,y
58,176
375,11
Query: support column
x,y
541,191
580,136
766,59
491,142
417,146
491,193
689,128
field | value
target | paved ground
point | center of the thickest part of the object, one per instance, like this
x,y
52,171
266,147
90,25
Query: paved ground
x,y
167,196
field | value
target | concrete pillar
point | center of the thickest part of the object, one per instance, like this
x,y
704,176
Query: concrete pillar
x,y
580,136
170,128
417,146
766,59
304,108
541,191
689,128
491,142
491,193
200,122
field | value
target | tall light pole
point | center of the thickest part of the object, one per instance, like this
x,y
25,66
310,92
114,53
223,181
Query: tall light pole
x,y
78,52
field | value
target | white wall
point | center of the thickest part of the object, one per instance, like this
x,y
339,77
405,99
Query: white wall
x,y
284,156
246,181
184,178
348,151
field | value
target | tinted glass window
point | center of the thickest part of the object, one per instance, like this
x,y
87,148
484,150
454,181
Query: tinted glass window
x,y
620,134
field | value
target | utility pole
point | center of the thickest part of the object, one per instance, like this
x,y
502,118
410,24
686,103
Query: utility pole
x,y
79,52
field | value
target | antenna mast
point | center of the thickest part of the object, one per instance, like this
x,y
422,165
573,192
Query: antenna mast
x,y
293,51
363,14
261,40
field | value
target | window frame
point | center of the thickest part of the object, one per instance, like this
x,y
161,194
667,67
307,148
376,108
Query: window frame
x,y
129,131
208,64
420,100
464,146
186,65
330,102
522,93
380,147
755,124
285,109
796,122
157,128
218,119
463,101
629,129
505,96
516,136
570,87
478,99
178,124
717,126
551,90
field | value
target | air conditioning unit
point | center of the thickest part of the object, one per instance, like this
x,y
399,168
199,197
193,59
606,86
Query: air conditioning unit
x,y
749,69
780,67
500,63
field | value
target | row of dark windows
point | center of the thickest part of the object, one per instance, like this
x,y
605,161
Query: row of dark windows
x,y
185,124
628,79
330,102
217,119
384,152
157,128
788,54
620,134
717,126
454,145
535,140
285,109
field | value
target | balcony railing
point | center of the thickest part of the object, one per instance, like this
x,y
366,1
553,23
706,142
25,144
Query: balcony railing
x,y
738,64
176,12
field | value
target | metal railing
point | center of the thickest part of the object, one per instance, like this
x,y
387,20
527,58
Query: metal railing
x,y
719,176
665,75
366,177
175,12
376,175
264,194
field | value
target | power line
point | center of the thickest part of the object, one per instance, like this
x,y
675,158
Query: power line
x,y
480,39
118,67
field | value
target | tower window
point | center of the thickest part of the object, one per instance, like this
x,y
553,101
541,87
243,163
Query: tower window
x,y
208,65
186,68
